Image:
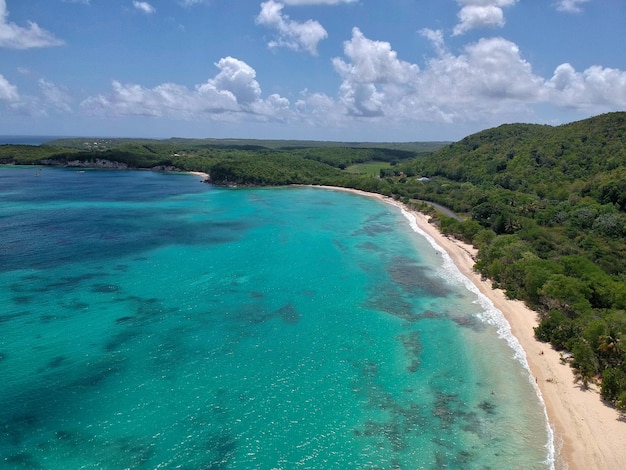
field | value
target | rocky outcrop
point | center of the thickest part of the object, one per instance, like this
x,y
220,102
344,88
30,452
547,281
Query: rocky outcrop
x,y
165,168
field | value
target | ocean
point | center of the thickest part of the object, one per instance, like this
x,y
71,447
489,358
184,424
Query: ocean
x,y
152,322
27,139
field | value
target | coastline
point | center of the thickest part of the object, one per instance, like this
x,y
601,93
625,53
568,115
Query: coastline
x,y
587,434
205,176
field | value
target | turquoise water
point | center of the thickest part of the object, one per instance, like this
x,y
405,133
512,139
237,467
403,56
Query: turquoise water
x,y
150,321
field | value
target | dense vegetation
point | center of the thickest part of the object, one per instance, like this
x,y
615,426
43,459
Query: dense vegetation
x,y
545,206
228,161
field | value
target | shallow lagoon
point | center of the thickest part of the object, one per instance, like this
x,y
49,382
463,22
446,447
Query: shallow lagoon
x,y
150,321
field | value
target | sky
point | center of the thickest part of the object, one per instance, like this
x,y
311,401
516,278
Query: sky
x,y
342,70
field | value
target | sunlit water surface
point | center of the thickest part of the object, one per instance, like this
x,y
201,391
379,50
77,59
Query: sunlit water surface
x,y
149,321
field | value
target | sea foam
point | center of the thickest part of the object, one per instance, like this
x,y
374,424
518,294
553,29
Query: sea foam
x,y
490,315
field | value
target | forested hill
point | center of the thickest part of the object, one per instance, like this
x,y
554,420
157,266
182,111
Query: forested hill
x,y
541,160
546,207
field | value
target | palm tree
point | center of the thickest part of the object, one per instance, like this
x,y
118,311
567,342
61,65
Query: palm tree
x,y
610,349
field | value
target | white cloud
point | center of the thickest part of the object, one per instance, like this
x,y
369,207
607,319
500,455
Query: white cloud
x,y
135,100
13,36
570,6
481,14
28,106
372,65
54,96
489,80
372,61
436,38
595,89
190,3
233,91
291,34
489,77
237,78
144,7
475,16
319,109
8,92
84,2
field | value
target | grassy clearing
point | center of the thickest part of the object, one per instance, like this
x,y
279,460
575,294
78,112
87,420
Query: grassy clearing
x,y
369,168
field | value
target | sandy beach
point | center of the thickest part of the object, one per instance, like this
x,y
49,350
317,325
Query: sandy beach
x,y
588,434
204,176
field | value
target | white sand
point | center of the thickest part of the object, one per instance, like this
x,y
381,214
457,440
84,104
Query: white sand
x,y
588,434
204,176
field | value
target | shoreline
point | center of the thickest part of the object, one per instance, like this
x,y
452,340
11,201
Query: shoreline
x,y
587,434
204,176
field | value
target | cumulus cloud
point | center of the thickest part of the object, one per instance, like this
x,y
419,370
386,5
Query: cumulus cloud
x,y
8,92
13,36
237,78
291,34
372,61
570,6
595,89
490,76
372,66
488,80
234,90
481,14
144,7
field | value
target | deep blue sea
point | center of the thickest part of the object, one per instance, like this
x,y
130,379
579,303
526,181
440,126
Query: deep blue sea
x,y
149,321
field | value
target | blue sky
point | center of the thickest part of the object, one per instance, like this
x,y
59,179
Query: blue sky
x,y
349,70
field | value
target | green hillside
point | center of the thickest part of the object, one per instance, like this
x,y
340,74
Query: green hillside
x,y
546,206
541,160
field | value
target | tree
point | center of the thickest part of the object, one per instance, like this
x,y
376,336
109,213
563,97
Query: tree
x,y
557,329
584,364
567,294
613,386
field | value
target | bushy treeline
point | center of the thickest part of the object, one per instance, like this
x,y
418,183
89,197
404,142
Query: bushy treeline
x,y
272,169
30,154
